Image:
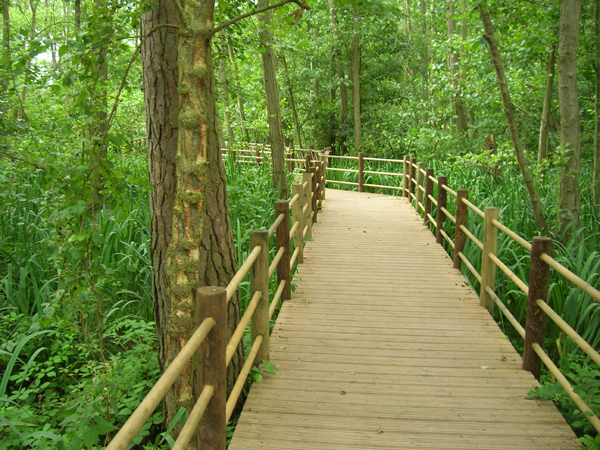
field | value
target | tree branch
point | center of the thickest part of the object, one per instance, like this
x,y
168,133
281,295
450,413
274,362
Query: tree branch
x,y
301,4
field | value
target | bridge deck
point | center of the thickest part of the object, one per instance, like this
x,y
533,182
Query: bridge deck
x,y
384,345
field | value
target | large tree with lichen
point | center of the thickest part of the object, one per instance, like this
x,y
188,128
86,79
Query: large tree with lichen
x,y
192,240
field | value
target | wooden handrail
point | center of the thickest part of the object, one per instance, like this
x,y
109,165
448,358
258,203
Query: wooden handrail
x,y
241,379
189,429
509,273
237,335
242,271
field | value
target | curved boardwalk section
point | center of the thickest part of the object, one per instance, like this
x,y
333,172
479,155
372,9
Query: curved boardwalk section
x,y
384,345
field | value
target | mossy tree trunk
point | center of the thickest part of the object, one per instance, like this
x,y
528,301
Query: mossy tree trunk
x,y
192,240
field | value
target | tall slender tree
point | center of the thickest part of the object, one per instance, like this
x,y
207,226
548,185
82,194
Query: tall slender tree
x,y
570,139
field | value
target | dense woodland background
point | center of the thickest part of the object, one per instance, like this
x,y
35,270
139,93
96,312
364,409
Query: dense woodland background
x,y
78,340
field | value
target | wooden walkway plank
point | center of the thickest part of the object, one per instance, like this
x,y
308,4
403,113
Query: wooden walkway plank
x,y
384,345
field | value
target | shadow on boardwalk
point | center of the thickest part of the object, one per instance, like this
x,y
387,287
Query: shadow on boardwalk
x,y
384,345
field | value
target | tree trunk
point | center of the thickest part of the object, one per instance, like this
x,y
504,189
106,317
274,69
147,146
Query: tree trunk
x,y
225,98
407,23
6,44
453,61
544,123
536,204
355,57
343,118
238,93
77,15
568,44
192,241
292,102
596,181
273,106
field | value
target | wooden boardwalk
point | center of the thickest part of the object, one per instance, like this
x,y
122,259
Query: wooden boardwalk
x,y
384,345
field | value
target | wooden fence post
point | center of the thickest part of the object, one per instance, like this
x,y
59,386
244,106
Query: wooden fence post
x,y
324,173
282,239
361,172
259,281
539,273
419,192
405,175
291,158
212,367
461,219
488,267
411,175
308,202
428,192
308,161
299,217
440,216
314,172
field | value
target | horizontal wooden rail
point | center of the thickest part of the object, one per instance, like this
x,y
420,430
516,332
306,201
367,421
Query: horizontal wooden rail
x,y
580,283
276,298
431,220
342,157
515,237
294,256
509,273
435,181
382,187
433,200
238,334
305,231
467,263
385,160
471,236
450,241
335,169
506,312
143,412
242,271
294,199
473,208
343,182
423,171
189,429
294,227
448,215
421,188
391,174
575,337
273,265
449,191
583,407
241,379
277,222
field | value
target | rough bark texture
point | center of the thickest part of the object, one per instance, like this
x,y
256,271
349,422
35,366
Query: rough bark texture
x,y
355,57
568,43
343,117
596,181
192,242
545,121
510,118
224,85
292,102
453,61
273,106
238,93
77,14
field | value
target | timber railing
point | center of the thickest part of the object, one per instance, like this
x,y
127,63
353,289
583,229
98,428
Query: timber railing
x,y
419,185
213,409
255,153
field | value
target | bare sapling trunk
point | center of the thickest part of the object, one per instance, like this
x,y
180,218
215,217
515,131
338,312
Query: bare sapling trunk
x,y
355,57
534,198
568,44
343,116
453,61
273,106
224,85
238,88
545,121
5,44
292,102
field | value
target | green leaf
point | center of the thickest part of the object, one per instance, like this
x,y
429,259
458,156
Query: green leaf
x,y
104,426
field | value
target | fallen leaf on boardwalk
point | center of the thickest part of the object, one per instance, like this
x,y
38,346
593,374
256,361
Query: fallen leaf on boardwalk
x,y
485,367
462,298
364,231
380,431
343,393
351,373
503,358
282,348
